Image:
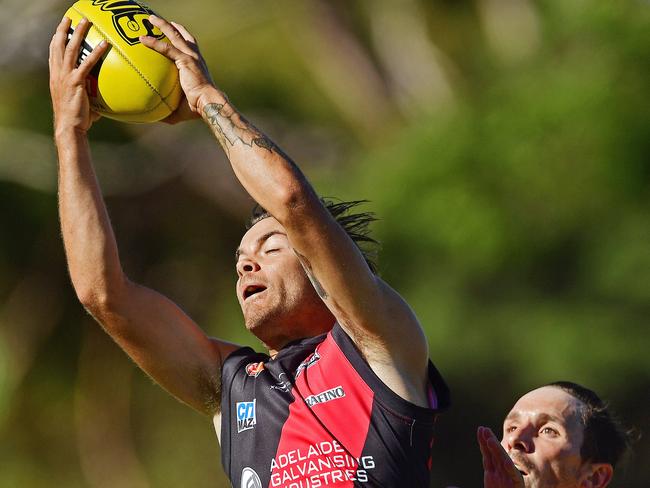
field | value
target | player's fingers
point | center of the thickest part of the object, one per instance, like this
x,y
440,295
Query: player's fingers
x,y
185,33
495,448
502,461
500,457
165,48
57,45
488,463
172,34
87,65
496,456
71,56
508,467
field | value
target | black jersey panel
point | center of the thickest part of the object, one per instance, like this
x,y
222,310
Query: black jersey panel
x,y
232,365
317,415
405,447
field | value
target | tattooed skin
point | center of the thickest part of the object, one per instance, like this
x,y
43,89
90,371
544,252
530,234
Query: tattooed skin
x,y
265,142
223,125
229,127
310,274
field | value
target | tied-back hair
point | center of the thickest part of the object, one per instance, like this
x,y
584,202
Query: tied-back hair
x,y
605,440
355,224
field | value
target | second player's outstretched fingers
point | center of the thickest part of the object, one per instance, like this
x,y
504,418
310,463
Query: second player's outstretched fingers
x,y
498,469
482,436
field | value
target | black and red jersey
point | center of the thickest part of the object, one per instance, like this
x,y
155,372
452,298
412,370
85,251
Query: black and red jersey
x,y
316,415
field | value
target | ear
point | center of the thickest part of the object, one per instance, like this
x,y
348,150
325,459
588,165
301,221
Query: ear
x,y
596,475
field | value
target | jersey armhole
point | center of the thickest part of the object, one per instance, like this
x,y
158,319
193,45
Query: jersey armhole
x,y
439,392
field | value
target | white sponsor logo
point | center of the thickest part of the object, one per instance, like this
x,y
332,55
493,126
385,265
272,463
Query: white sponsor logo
x,y
249,479
326,396
319,465
245,415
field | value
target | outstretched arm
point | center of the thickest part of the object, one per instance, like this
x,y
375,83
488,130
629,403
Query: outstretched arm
x,y
378,320
155,333
498,469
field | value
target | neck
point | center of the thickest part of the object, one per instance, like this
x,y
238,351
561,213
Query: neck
x,y
279,343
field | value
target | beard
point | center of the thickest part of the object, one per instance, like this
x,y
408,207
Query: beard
x,y
260,319
282,316
272,321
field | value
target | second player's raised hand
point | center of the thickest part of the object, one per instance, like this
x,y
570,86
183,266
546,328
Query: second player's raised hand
x,y
498,469
194,75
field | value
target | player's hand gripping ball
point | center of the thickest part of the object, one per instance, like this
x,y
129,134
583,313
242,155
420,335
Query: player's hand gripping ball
x,y
131,83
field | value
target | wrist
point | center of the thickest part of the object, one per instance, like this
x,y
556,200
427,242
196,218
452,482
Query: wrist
x,y
67,132
210,95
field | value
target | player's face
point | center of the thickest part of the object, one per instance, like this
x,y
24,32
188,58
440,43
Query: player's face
x,y
543,435
274,292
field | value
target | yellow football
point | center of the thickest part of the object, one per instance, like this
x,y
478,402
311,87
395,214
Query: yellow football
x,y
131,83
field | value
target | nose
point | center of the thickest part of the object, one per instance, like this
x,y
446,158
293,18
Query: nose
x,y
246,265
520,439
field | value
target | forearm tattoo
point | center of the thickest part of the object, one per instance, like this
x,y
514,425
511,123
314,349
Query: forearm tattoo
x,y
310,274
229,127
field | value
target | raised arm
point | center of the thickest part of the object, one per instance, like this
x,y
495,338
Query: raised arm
x,y
153,331
376,317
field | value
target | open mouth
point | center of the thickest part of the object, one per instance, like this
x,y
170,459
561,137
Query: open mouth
x,y
252,290
523,473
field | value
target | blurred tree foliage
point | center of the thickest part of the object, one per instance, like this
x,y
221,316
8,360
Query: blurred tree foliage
x,y
504,144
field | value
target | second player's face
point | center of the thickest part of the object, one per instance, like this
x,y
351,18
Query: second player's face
x,y
543,435
273,289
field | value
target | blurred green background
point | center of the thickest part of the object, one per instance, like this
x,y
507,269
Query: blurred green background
x,y
505,145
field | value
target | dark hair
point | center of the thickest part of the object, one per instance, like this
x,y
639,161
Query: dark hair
x,y
355,225
605,440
